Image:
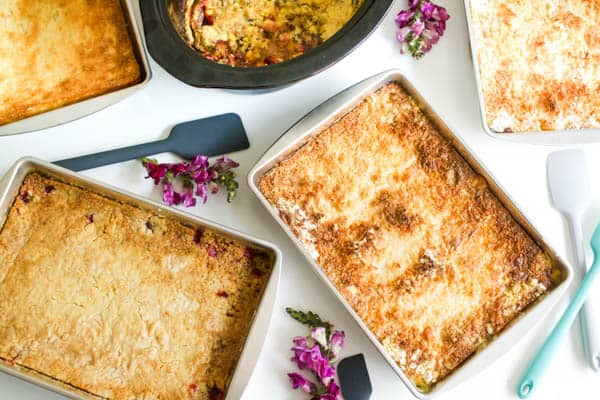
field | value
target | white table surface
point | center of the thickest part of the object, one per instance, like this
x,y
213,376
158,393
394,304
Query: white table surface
x,y
445,78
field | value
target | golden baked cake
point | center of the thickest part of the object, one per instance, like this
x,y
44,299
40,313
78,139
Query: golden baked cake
x,y
120,302
55,52
409,234
262,32
539,63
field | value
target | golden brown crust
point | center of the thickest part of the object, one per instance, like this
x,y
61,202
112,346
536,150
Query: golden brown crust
x,y
539,63
120,302
54,53
410,235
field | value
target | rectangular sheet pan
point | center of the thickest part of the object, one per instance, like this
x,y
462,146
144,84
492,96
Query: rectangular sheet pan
x,y
9,187
328,113
80,109
552,138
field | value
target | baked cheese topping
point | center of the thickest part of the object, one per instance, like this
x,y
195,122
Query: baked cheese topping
x,y
55,52
539,63
120,302
263,32
410,235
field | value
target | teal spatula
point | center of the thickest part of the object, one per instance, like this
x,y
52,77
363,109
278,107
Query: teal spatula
x,y
542,360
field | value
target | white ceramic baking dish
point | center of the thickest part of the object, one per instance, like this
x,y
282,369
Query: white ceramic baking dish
x,y
328,113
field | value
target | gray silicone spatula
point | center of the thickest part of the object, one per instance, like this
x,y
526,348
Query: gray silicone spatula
x,y
354,378
212,136
570,192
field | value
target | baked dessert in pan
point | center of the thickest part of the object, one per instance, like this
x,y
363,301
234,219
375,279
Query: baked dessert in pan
x,y
538,62
54,53
262,32
120,302
409,234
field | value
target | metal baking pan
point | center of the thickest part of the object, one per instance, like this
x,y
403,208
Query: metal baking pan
x,y
170,50
9,189
89,106
552,138
331,111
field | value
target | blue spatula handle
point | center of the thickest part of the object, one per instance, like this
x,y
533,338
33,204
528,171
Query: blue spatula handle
x,y
114,156
542,360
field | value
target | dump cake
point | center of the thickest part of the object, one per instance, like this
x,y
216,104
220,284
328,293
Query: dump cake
x,y
409,234
121,302
262,32
539,63
55,52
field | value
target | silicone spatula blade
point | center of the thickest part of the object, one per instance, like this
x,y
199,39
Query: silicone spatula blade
x,y
354,378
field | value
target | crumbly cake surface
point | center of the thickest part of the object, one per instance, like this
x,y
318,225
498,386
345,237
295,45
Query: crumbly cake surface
x,y
56,52
262,32
409,234
539,63
120,302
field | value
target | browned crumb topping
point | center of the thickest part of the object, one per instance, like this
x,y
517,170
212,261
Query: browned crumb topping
x,y
410,235
539,63
120,302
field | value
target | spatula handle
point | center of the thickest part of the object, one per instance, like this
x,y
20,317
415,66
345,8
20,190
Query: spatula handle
x,y
590,313
113,156
543,359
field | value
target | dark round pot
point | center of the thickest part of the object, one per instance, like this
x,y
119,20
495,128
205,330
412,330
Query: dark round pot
x,y
170,50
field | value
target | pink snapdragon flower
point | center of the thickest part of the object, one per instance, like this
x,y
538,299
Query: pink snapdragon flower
x,y
298,381
198,177
316,354
420,26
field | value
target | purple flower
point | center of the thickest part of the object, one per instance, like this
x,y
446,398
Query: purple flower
x,y
402,33
177,169
201,176
336,342
333,389
417,28
187,196
199,161
224,164
156,171
198,178
420,26
404,17
305,356
298,381
333,392
324,370
440,14
427,9
170,196
201,192
316,353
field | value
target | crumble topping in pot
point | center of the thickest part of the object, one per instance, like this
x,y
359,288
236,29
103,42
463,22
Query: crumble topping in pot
x,y
262,32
